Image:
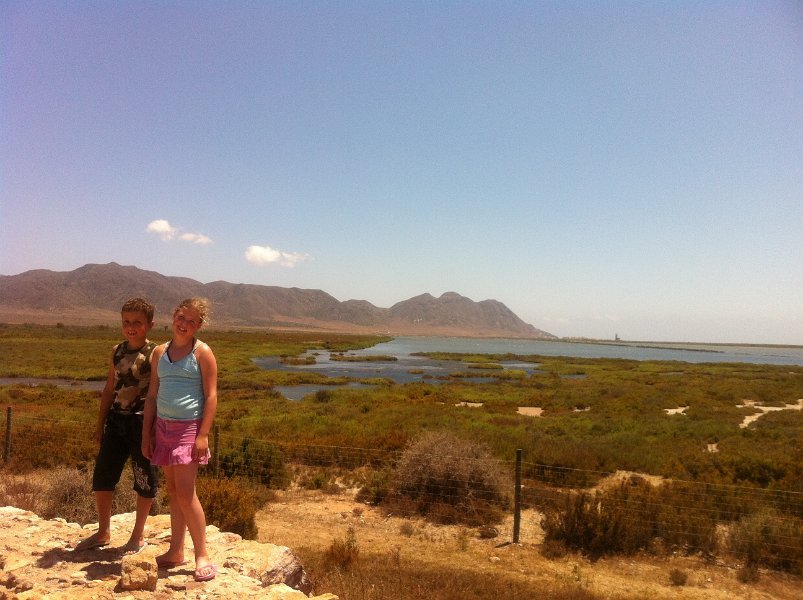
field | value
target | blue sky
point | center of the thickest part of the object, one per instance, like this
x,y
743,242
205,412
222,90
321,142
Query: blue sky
x,y
602,168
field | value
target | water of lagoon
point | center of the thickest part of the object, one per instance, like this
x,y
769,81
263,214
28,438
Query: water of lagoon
x,y
407,367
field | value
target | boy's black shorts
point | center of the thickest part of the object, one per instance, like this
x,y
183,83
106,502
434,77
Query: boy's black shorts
x,y
122,439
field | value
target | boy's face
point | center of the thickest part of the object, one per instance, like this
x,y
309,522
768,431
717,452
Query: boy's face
x,y
135,327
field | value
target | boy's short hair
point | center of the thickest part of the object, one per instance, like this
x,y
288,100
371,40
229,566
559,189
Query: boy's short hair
x,y
139,305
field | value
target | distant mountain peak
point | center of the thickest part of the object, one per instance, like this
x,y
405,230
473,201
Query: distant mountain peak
x,y
95,292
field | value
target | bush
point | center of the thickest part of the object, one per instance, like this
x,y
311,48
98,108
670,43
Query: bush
x,y
630,518
343,553
769,538
65,492
259,460
230,504
376,487
748,573
678,577
449,480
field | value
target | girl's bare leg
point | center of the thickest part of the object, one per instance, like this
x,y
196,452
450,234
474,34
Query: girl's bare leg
x,y
184,482
178,524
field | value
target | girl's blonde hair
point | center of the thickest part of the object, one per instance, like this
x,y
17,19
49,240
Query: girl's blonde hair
x,y
200,305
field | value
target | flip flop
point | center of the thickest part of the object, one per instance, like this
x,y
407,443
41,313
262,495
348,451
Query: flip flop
x,y
90,543
211,571
133,551
166,563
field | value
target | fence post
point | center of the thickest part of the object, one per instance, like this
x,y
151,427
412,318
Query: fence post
x,y
216,451
7,451
517,499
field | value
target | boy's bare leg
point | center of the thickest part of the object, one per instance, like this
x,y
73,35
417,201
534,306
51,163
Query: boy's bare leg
x,y
137,540
103,501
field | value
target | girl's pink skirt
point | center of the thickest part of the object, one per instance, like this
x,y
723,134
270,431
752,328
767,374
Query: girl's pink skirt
x,y
174,443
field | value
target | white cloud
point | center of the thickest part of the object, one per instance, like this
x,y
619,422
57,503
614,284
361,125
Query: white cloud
x,y
263,255
196,238
162,228
167,232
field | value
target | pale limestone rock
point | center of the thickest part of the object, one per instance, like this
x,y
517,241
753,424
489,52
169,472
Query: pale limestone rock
x,y
269,564
138,572
37,562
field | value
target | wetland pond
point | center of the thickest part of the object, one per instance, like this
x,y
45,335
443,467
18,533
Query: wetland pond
x,y
402,365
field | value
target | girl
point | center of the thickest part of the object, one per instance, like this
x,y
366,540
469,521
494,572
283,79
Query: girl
x,y
179,411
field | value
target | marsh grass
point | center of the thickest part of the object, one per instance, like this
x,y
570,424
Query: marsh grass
x,y
625,426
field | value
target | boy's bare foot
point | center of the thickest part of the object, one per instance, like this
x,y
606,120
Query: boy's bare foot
x,y
166,561
134,547
96,540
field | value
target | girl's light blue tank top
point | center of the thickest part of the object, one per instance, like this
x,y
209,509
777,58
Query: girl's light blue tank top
x,y
181,392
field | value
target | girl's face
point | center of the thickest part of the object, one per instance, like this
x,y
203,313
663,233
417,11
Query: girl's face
x,y
186,321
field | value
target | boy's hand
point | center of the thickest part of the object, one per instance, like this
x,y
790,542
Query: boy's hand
x,y
147,447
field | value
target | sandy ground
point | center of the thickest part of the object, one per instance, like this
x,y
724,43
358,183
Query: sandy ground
x,y
311,519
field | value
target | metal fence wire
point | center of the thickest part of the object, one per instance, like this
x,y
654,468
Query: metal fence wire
x,y
680,510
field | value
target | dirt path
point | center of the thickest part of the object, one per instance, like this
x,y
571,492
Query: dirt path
x,y
306,519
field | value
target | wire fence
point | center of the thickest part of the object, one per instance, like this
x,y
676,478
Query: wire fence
x,y
528,496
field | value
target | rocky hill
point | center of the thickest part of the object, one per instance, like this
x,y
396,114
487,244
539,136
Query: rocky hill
x,y
94,293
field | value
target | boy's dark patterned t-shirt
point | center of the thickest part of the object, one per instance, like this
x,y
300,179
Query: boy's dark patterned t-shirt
x,y
132,370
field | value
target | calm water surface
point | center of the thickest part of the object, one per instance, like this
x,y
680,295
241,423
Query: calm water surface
x,y
407,367
693,353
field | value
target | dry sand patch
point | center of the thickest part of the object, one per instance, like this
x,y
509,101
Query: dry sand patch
x,y
764,410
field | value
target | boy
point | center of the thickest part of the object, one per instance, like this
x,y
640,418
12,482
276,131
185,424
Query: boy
x,y
119,428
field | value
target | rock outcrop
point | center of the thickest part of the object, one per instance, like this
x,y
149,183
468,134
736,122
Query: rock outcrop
x,y
37,561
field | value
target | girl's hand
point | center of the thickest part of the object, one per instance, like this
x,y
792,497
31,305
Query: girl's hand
x,y
200,447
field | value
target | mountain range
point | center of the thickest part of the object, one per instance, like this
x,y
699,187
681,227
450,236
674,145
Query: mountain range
x,y
94,293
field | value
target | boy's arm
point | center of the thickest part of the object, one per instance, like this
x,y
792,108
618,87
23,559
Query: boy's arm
x,y
149,412
106,397
208,364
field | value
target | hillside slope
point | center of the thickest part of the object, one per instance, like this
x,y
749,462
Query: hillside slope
x,y
94,293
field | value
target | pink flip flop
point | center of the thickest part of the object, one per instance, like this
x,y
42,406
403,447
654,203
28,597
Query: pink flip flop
x,y
205,573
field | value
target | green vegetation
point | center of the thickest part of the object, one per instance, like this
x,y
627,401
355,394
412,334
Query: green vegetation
x,y
599,416
623,424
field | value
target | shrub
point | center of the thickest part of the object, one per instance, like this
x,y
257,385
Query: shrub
x,y
554,549
769,538
343,553
230,504
678,577
630,518
262,461
748,573
65,492
376,487
449,480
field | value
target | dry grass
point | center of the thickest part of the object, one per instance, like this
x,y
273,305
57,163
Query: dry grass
x,y
401,558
